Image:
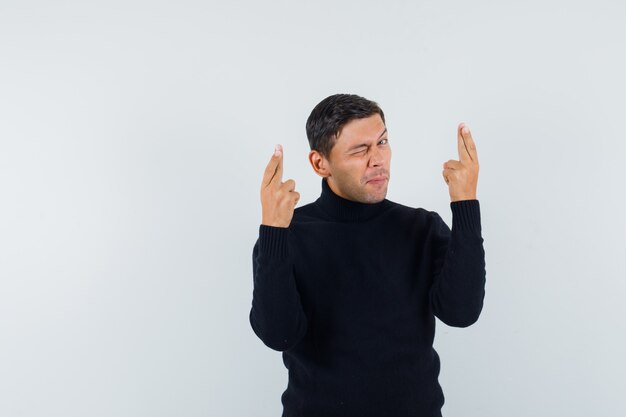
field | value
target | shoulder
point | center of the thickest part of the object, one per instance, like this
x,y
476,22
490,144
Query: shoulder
x,y
407,212
306,213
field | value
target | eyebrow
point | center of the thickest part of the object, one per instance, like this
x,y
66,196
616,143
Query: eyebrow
x,y
365,144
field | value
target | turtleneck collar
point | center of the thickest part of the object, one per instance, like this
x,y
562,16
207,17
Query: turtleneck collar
x,y
341,209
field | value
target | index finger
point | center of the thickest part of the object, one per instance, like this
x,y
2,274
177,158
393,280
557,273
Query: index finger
x,y
467,147
274,171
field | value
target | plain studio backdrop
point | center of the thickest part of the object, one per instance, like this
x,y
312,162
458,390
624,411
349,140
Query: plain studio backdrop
x,y
133,138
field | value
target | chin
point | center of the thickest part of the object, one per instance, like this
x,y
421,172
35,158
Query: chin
x,y
375,197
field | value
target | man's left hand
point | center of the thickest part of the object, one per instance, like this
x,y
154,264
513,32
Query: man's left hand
x,y
462,176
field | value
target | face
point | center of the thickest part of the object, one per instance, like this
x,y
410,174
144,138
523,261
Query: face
x,y
359,162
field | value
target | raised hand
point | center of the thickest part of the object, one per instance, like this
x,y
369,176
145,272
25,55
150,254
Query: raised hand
x,y
462,176
278,198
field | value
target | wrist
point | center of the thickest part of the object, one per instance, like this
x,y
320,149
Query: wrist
x,y
274,223
463,197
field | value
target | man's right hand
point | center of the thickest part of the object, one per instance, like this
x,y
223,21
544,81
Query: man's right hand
x,y
278,198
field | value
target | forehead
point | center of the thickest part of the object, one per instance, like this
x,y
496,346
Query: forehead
x,y
363,130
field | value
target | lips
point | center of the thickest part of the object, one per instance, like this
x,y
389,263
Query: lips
x,y
380,178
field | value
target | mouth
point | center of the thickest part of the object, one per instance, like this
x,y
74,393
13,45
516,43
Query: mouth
x,y
377,180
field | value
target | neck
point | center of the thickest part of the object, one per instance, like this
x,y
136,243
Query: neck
x,y
341,209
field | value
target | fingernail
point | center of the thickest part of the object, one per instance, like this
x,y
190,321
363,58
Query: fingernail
x,y
465,129
277,150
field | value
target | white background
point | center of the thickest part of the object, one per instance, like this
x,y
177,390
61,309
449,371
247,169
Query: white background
x,y
133,138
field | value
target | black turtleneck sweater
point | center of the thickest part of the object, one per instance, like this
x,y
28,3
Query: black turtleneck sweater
x,y
349,293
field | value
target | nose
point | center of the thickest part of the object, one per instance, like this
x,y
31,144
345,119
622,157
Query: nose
x,y
377,158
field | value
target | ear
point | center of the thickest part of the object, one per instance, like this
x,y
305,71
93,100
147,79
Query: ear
x,y
319,163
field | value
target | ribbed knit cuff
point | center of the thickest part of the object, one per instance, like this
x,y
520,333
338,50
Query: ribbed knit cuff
x,y
466,215
273,240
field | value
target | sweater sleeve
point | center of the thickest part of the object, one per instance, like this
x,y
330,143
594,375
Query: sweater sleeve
x,y
276,315
458,288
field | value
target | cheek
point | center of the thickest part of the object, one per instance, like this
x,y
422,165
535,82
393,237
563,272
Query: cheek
x,y
352,172
388,157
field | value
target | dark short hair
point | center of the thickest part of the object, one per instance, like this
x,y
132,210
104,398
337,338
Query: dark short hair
x,y
325,122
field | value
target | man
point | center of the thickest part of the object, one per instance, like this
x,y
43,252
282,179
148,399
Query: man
x,y
348,287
